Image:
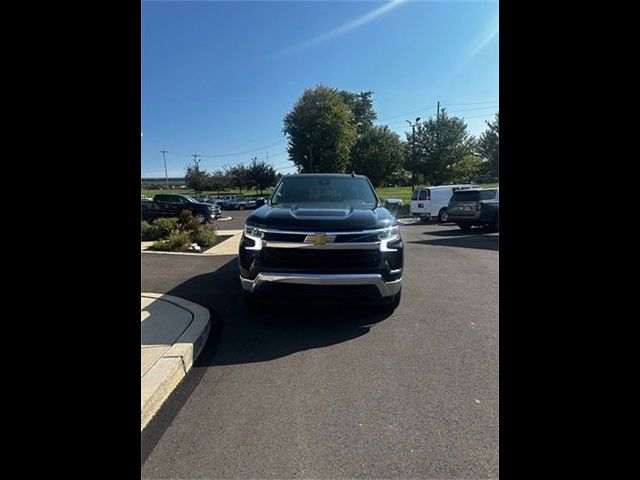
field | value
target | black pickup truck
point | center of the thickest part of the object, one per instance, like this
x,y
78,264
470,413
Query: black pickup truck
x,y
320,236
170,205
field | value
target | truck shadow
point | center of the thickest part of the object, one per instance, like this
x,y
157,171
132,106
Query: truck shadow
x,y
457,232
272,330
479,238
240,336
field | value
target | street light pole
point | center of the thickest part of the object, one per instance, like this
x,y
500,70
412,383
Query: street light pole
x,y
413,151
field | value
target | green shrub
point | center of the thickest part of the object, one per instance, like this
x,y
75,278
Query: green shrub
x,y
206,238
176,242
188,224
166,226
149,232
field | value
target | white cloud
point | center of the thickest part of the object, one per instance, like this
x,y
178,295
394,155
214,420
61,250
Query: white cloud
x,y
492,29
342,30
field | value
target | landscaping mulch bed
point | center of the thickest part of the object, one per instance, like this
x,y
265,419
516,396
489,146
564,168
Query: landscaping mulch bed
x,y
220,239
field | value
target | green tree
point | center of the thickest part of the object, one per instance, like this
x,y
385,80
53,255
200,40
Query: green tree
x,y
489,148
321,131
261,174
399,178
441,143
466,169
195,178
361,105
238,176
378,154
217,181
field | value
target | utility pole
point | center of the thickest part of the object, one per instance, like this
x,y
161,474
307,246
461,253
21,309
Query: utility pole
x,y
413,152
166,177
438,111
197,164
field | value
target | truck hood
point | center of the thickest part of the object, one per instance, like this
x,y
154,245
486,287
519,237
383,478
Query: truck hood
x,y
321,217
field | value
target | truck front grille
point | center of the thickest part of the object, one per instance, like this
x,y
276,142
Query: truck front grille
x,y
319,259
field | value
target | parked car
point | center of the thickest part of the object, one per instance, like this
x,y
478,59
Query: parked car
x,y
429,202
224,201
241,203
170,205
479,206
322,234
260,201
393,203
208,199
144,198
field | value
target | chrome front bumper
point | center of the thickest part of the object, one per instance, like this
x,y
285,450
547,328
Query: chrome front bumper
x,y
386,289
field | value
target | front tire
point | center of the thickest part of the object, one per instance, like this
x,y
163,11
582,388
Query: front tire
x,y
443,216
241,207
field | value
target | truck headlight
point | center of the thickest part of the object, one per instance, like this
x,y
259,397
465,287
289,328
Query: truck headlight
x,y
253,232
386,236
391,233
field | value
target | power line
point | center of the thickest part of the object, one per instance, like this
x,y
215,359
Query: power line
x,y
480,116
210,165
217,155
472,109
470,103
434,106
408,113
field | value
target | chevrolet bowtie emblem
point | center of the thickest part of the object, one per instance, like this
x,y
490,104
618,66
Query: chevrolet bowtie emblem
x,y
319,238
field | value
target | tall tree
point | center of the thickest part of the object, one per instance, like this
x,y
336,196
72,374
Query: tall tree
x,y
321,131
466,169
196,178
361,104
440,144
217,181
378,154
489,148
261,174
238,176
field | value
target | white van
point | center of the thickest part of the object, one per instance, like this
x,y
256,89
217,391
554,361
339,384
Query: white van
x,y
428,202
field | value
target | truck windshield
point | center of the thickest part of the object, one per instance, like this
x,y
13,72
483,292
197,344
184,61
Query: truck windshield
x,y
354,191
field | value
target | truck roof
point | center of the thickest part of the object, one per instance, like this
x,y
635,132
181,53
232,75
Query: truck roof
x,y
324,175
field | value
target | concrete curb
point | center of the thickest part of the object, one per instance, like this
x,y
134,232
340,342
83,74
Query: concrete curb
x,y
165,375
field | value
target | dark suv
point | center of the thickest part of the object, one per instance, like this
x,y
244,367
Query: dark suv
x,y
322,234
478,206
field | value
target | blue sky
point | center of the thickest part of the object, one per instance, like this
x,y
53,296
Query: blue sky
x,y
218,77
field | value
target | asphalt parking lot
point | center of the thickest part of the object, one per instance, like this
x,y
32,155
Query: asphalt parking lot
x,y
338,392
